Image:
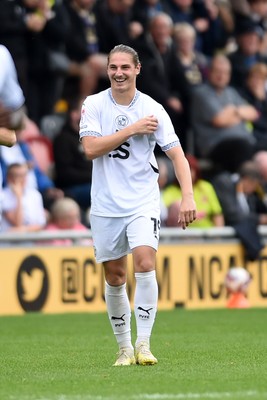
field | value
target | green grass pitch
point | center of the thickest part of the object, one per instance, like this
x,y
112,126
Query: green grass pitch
x,y
203,355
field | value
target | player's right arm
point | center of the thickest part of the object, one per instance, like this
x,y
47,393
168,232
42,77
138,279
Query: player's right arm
x,y
97,146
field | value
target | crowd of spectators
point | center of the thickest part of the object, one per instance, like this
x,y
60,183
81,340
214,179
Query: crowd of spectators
x,y
205,61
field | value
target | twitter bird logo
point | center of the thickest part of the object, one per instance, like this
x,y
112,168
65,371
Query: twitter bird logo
x,y
32,284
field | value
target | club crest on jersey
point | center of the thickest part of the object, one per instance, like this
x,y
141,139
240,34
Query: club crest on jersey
x,y
82,116
121,121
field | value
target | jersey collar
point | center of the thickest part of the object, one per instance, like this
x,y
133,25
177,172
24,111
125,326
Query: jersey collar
x,y
136,96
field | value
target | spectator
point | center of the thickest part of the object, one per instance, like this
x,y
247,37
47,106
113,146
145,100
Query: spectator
x,y
65,215
73,170
241,7
144,10
249,38
47,61
194,63
15,24
209,211
168,86
23,209
115,24
219,119
241,196
20,153
227,17
30,130
260,158
255,93
255,11
206,18
88,70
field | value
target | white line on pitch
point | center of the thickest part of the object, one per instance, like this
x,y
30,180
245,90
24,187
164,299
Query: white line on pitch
x,y
251,394
209,395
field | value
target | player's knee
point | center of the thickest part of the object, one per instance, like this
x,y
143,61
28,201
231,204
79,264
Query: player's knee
x,y
145,265
115,280
115,276
144,259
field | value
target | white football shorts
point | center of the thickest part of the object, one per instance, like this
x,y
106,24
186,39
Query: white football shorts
x,y
115,237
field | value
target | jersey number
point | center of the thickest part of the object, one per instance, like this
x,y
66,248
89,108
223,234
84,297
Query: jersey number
x,y
156,226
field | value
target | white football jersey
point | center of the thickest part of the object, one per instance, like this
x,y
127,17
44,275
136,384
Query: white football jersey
x,y
125,181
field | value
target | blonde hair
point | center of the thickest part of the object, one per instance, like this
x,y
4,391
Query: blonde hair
x,y
61,208
258,69
181,28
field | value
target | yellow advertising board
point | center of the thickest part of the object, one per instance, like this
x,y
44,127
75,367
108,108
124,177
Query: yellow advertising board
x,y
58,280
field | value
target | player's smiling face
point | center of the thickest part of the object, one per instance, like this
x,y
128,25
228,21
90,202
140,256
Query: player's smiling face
x,y
122,72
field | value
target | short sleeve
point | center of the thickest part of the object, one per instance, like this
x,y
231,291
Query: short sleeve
x,y
90,119
166,136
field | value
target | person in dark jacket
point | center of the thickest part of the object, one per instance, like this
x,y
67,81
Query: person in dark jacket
x,y
249,38
72,169
115,24
242,199
162,75
88,63
254,91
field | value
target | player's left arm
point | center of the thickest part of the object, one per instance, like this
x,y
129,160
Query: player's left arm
x,y
187,211
7,137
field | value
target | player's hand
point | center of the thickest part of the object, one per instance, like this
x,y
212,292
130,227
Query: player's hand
x,y
187,213
145,126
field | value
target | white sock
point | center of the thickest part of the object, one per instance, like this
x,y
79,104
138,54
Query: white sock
x,y
145,304
119,312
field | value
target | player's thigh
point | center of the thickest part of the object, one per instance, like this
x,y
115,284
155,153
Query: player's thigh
x,y
143,229
109,238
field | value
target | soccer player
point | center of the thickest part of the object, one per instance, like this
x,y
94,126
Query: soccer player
x,y
119,128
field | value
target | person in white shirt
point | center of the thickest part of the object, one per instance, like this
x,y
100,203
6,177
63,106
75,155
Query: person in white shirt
x,y
23,209
119,129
